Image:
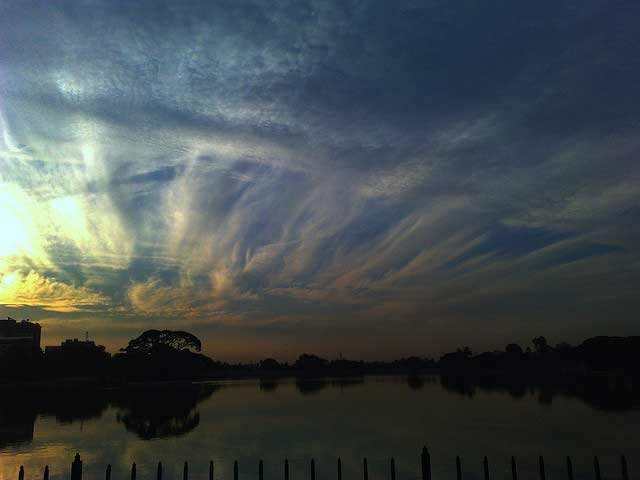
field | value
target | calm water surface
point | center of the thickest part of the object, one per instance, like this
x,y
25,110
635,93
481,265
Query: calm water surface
x,y
376,417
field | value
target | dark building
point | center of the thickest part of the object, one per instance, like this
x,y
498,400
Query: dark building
x,y
74,346
76,358
19,337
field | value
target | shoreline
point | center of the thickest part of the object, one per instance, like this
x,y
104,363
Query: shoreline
x,y
74,383
94,383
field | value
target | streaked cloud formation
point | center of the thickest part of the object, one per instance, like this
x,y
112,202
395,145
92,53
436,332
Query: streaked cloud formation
x,y
355,176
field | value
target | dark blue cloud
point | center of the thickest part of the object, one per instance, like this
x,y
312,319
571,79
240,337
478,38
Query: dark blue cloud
x,y
336,163
164,174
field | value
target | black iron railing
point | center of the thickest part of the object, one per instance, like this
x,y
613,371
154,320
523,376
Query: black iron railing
x,y
425,460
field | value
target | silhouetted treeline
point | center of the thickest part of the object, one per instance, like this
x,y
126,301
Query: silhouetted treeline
x,y
173,355
616,355
598,355
153,356
309,365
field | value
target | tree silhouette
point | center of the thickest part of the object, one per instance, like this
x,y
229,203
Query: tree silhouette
x,y
540,344
308,361
466,351
162,355
513,349
153,341
269,364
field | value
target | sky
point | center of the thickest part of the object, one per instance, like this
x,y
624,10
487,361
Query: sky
x,y
368,178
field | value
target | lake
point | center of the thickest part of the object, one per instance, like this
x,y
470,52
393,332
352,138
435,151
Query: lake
x,y
376,417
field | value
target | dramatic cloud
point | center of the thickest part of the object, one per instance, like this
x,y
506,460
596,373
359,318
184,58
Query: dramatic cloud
x,y
17,289
384,178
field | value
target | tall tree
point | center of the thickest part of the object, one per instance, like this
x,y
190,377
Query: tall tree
x,y
540,344
158,340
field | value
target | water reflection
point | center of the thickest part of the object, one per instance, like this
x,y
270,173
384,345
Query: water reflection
x,y
346,382
69,406
311,386
268,384
19,410
161,412
169,411
300,419
416,382
16,424
150,412
607,393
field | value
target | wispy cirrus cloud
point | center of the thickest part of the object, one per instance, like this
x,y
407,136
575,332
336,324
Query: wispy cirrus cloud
x,y
324,165
33,290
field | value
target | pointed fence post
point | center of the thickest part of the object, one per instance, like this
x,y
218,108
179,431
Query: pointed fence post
x,y
159,472
76,468
458,468
211,470
393,469
365,469
107,473
542,472
625,472
260,471
21,473
133,471
569,469
339,469
485,465
313,469
426,464
286,469
185,471
235,470
514,469
596,467
46,473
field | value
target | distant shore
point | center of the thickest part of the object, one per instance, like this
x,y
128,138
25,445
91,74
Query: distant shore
x,y
84,383
563,366
90,383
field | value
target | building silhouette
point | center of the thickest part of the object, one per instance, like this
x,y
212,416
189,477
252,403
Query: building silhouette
x,y
71,346
76,358
19,337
